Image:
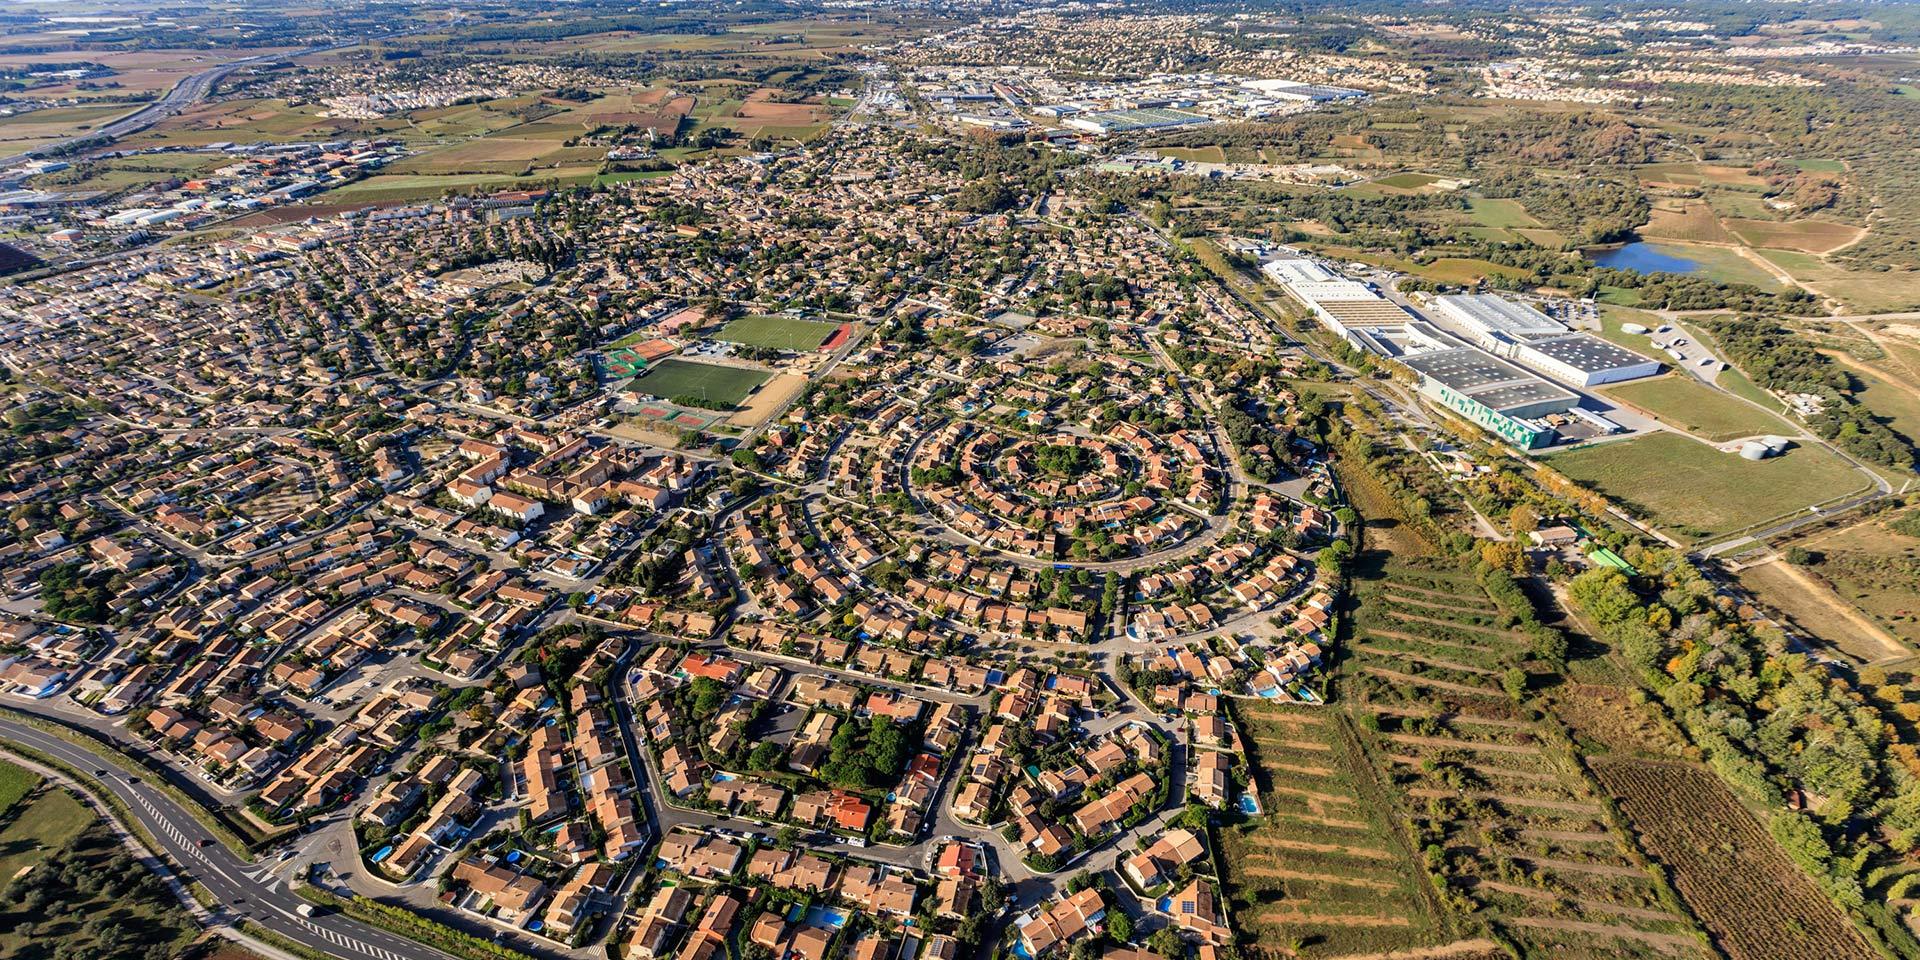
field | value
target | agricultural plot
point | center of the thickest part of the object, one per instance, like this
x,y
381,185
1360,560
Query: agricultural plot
x,y
777,333
1806,236
1699,175
427,186
499,154
1498,809
1325,865
1754,902
714,387
1690,221
1695,490
1428,636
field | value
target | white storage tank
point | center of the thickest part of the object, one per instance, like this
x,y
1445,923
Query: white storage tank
x,y
1634,328
1755,450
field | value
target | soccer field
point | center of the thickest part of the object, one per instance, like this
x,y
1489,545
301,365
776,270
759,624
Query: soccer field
x,y
700,384
776,333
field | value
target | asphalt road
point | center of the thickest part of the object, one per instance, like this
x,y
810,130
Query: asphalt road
x,y
180,96
243,889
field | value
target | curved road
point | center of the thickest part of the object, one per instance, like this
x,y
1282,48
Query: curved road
x,y
180,96
241,888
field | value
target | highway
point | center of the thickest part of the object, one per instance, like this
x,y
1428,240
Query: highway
x,y
243,890
182,95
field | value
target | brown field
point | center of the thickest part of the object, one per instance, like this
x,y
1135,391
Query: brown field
x,y
1806,236
1867,568
765,402
1811,605
1754,902
1690,220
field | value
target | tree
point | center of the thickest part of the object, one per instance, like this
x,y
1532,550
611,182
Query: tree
x,y
1167,944
1514,681
1523,519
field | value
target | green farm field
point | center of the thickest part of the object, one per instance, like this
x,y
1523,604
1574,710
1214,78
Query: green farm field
x,y
1324,863
1695,491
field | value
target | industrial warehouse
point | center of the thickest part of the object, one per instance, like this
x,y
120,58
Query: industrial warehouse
x,y
1496,362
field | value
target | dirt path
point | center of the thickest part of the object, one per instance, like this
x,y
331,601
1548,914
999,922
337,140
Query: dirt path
x,y
1569,836
1307,846
1423,658
1281,915
1403,636
1672,943
1278,743
1452,719
1393,594
1436,622
1477,747
1281,873
1575,866
1586,903
1302,769
1513,800
1458,950
1482,768
1424,682
1813,590
1331,823
1314,799
1394,586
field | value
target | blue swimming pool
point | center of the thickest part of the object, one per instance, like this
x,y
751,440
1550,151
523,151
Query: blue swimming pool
x,y
822,916
1248,804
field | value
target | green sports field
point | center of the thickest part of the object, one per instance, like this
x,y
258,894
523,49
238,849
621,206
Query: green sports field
x,y
704,384
776,333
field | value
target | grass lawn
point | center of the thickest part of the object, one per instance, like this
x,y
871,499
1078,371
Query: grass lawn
x,y
15,783
1209,154
1408,181
1697,491
48,823
1821,166
1681,401
1500,213
722,387
777,333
